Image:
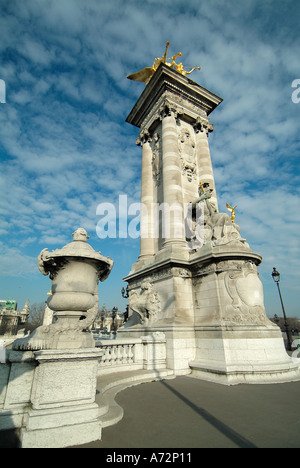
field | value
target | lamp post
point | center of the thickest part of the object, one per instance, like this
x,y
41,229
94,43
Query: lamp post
x,y
276,278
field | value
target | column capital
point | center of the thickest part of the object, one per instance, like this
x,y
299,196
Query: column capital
x,y
144,137
169,108
203,125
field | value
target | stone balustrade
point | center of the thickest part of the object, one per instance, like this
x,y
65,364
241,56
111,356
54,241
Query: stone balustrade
x,y
131,354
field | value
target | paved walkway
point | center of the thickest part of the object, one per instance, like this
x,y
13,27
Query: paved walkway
x,y
189,413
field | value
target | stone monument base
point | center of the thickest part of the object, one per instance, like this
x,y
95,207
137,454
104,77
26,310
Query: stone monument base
x,y
224,354
63,411
211,309
242,354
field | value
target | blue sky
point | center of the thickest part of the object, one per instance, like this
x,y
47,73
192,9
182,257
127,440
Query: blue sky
x,y
65,146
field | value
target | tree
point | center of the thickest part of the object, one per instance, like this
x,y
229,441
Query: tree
x,y
293,323
36,315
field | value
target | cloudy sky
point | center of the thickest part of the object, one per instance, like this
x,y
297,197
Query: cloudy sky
x,y
65,146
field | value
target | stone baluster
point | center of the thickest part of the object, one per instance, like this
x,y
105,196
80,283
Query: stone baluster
x,y
130,354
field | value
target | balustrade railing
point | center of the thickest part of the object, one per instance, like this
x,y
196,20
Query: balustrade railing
x,y
148,352
117,355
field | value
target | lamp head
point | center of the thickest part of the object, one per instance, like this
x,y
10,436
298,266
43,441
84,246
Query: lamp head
x,y
275,275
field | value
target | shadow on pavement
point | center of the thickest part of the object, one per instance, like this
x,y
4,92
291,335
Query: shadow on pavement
x,y
239,440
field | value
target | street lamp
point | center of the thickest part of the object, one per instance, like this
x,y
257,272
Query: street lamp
x,y
125,292
114,312
276,278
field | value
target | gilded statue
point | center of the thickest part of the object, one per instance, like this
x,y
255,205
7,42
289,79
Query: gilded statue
x,y
232,211
146,74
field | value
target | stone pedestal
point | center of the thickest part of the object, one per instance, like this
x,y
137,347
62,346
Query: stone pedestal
x,y
235,354
62,410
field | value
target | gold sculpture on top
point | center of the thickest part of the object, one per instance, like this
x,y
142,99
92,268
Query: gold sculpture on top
x,y
146,74
232,211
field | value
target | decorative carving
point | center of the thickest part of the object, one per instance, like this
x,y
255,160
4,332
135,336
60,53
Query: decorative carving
x,y
187,151
246,292
243,286
156,158
47,264
180,107
144,136
203,125
204,270
145,303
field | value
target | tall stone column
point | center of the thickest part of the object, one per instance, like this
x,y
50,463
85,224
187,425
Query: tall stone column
x,y
147,185
205,169
172,182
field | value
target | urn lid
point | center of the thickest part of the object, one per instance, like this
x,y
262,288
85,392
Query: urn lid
x,y
77,248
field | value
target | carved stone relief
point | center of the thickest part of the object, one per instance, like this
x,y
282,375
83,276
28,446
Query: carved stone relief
x,y
187,151
245,303
156,158
146,303
246,292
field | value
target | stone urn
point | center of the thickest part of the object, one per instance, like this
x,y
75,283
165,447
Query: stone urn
x,y
75,271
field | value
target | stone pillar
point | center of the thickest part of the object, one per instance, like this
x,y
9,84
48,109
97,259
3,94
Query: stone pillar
x,y
205,169
172,182
147,248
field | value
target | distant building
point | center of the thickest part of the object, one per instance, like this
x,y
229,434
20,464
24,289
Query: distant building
x,y
108,320
8,304
12,319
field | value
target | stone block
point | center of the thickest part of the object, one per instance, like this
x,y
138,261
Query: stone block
x,y
63,409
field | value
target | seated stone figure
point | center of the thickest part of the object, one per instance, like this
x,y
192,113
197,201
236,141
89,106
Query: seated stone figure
x,y
219,229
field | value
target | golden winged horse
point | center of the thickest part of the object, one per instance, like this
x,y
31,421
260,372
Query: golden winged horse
x,y
146,74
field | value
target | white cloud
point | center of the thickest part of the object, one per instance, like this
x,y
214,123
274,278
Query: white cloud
x,y
14,263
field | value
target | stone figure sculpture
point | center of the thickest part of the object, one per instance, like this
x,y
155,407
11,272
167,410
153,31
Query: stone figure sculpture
x,y
219,228
145,303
